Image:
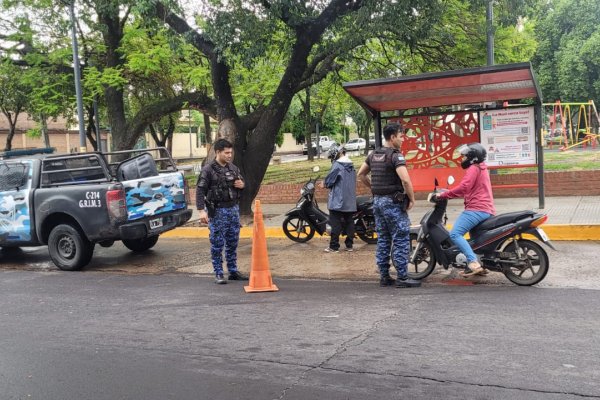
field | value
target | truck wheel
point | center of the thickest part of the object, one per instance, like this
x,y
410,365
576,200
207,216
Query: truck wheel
x,y
139,245
69,248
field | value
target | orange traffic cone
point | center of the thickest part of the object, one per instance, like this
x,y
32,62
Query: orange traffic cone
x,y
260,275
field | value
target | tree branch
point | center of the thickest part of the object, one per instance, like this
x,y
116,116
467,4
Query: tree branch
x,y
180,26
249,121
154,112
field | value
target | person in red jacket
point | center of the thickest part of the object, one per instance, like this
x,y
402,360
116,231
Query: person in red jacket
x,y
476,189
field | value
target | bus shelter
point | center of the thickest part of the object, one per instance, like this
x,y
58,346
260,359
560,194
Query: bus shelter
x,y
498,106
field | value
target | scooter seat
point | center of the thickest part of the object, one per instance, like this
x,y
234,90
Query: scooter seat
x,y
363,202
504,219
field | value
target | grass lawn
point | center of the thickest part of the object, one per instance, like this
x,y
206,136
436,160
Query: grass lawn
x,y
301,171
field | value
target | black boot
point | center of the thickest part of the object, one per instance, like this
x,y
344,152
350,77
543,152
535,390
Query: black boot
x,y
386,280
237,276
407,282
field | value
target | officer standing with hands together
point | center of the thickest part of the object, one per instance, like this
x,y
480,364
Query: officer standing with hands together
x,y
217,198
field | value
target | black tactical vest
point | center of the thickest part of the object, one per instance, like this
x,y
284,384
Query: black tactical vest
x,y
221,184
384,179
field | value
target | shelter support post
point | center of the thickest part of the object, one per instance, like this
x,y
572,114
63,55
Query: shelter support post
x,y
378,132
540,153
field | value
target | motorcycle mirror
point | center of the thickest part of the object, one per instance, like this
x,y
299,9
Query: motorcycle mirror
x,y
450,180
436,183
316,168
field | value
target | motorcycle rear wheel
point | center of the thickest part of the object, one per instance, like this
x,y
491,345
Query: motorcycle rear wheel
x,y
534,266
297,229
369,234
425,261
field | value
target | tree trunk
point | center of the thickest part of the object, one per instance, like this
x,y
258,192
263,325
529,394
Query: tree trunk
x,y
207,129
90,131
12,123
308,125
44,128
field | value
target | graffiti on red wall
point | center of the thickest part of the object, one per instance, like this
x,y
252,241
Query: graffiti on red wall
x,y
431,144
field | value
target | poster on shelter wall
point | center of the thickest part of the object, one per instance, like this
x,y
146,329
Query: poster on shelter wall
x,y
508,135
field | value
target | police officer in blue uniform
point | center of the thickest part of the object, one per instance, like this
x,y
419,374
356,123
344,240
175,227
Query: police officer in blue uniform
x,y
217,198
393,196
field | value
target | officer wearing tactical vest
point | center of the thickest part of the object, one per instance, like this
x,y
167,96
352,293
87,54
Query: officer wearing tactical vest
x,y
393,196
217,198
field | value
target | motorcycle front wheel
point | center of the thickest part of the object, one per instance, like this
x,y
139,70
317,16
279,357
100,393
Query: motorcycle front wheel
x,y
424,262
297,229
527,262
368,234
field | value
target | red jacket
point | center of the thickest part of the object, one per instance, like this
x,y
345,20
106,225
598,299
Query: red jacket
x,y
476,189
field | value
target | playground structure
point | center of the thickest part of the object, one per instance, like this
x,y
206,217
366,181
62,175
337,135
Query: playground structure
x,y
571,125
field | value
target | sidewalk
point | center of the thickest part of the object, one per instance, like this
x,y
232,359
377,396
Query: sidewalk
x,y
569,217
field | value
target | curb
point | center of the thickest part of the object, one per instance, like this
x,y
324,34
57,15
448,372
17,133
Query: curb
x,y
555,232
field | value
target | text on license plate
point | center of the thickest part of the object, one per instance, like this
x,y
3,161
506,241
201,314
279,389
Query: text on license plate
x,y
156,223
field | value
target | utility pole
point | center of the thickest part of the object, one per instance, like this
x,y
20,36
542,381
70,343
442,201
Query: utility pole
x,y
490,32
78,95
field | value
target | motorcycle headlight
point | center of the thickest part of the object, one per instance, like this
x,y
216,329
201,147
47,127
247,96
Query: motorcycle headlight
x,y
302,192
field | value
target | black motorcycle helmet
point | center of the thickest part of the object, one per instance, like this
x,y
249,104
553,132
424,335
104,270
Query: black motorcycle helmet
x,y
474,154
335,152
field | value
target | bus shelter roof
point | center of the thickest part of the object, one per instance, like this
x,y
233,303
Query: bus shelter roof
x,y
467,86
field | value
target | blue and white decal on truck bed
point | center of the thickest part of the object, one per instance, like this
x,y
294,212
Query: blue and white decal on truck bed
x,y
15,218
154,195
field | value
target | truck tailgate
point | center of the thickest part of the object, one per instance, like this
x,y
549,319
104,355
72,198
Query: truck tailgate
x,y
147,197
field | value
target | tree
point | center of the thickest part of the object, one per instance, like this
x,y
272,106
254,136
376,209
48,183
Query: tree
x,y
105,28
309,35
42,71
13,97
568,56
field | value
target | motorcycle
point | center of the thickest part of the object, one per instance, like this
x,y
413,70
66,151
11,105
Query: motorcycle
x,y
498,242
306,218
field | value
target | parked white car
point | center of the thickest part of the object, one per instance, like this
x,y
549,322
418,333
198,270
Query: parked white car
x,y
324,143
356,144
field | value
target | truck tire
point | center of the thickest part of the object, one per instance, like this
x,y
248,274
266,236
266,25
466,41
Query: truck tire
x,y
69,248
140,245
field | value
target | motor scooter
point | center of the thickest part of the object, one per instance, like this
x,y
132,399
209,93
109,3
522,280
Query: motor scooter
x,y
306,217
498,242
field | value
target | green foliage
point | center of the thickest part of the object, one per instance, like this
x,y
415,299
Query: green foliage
x,y
13,89
33,133
568,56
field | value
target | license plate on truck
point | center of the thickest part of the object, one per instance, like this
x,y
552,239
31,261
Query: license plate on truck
x,y
156,223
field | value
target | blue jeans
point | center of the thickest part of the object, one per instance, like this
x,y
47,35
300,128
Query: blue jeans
x,y
466,221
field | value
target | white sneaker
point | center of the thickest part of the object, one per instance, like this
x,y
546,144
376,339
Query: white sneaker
x,y
330,250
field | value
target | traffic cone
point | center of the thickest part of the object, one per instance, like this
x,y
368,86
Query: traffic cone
x,y
260,275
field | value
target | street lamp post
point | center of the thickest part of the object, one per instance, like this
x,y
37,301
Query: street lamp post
x,y
82,139
190,129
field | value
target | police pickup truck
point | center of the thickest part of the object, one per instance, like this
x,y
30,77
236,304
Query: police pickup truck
x,y
71,202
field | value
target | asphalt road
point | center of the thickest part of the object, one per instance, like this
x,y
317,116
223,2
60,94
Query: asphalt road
x,y
155,326
104,335
574,265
